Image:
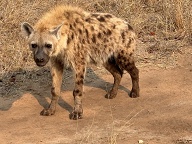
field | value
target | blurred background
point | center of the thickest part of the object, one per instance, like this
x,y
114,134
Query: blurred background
x,y
163,27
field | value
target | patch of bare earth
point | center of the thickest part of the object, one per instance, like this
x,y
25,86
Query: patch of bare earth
x,y
161,115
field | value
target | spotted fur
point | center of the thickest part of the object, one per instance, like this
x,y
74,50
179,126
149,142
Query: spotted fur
x,y
71,37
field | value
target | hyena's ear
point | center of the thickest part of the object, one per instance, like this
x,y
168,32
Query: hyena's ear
x,y
26,29
57,31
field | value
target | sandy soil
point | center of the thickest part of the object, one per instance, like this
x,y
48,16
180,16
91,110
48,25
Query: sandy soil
x,y
161,115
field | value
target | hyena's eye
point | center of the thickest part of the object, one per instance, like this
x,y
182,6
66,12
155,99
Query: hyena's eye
x,y
34,46
49,46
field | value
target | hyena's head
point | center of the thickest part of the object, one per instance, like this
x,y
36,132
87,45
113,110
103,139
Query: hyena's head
x,y
42,43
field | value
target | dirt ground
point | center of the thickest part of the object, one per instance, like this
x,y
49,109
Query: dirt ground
x,y
161,115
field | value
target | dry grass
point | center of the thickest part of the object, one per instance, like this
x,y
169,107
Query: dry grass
x,y
153,20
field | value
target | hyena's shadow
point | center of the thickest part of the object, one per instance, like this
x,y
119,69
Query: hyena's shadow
x,y
38,83
91,80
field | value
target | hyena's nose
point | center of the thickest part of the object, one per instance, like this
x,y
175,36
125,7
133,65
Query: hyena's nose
x,y
40,59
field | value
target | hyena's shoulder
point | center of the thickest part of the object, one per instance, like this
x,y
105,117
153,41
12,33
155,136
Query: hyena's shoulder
x,y
60,14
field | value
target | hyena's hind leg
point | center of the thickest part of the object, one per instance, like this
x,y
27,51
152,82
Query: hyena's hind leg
x,y
77,113
134,73
57,74
126,61
117,73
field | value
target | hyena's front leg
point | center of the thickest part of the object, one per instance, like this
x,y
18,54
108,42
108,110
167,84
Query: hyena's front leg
x,y
57,73
78,93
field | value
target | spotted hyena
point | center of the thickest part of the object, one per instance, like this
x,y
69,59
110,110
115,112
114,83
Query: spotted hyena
x,y
69,36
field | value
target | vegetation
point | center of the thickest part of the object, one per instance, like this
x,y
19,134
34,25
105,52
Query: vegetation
x,y
155,21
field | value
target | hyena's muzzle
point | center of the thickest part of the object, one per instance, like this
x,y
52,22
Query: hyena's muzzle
x,y
41,58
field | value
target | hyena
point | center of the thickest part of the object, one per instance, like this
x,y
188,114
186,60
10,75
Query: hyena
x,y
71,37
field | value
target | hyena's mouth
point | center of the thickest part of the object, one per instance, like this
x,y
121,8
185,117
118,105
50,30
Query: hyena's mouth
x,y
41,63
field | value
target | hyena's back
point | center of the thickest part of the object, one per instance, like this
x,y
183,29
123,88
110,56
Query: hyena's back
x,y
93,36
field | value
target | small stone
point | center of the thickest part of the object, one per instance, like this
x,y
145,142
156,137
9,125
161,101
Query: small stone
x,y
140,141
12,79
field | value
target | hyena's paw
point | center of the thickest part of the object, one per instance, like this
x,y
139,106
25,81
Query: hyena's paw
x,y
76,114
134,93
110,95
47,112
